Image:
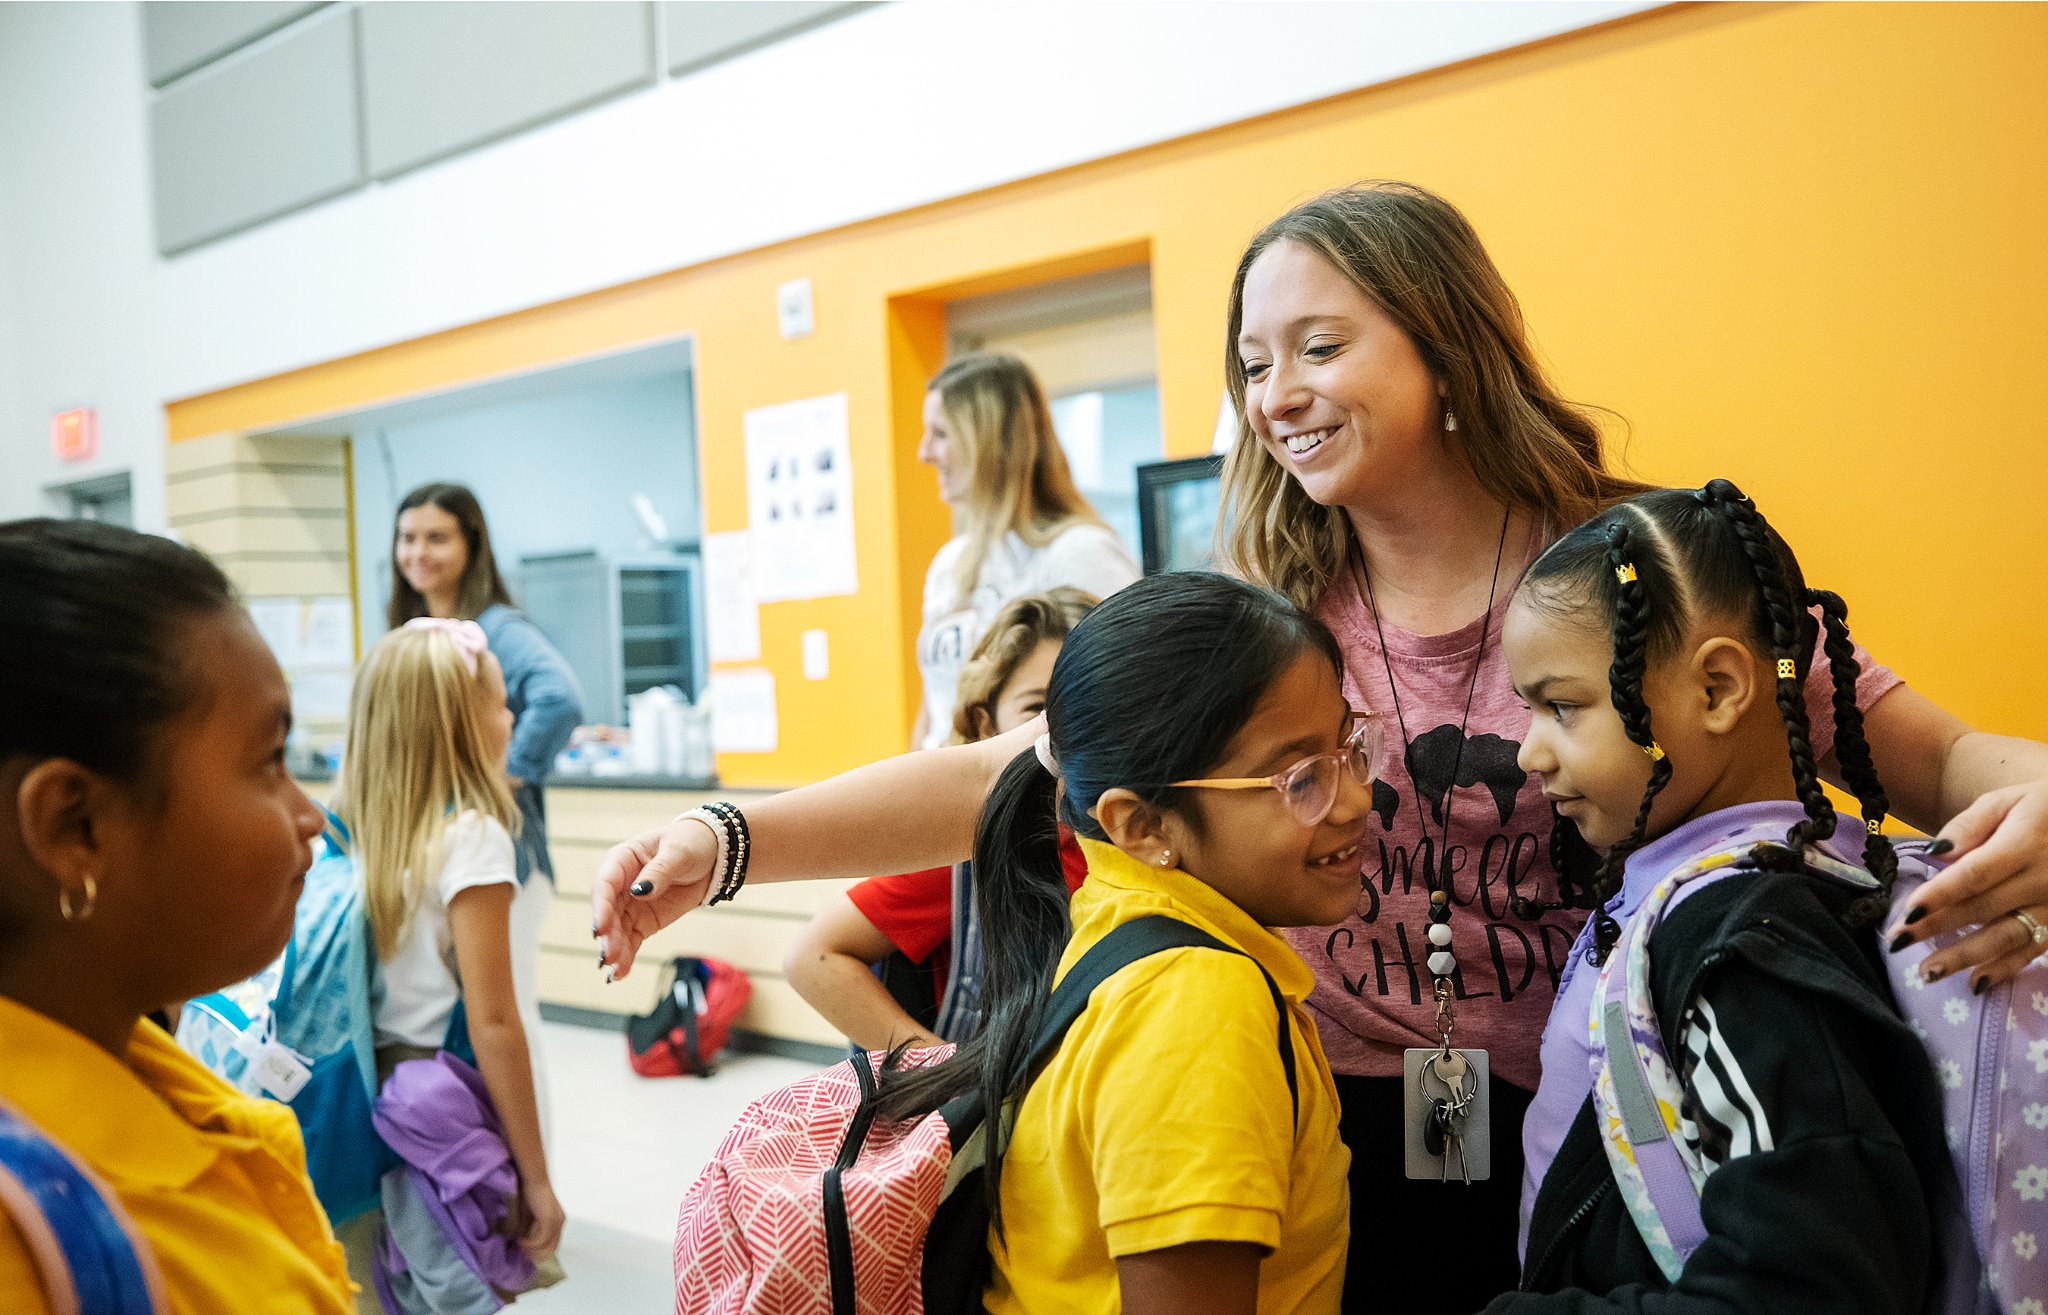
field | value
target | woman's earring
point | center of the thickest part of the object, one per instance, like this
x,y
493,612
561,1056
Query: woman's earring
x,y
1166,858
1450,420
81,910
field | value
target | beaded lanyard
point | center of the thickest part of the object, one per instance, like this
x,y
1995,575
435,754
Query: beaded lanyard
x,y
1442,961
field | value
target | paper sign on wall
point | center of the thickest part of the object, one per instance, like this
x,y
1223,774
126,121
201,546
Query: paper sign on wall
x,y
800,499
743,711
277,620
319,695
328,634
732,617
307,632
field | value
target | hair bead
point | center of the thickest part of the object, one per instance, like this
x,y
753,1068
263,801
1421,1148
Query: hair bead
x,y
1626,573
1788,669
1654,751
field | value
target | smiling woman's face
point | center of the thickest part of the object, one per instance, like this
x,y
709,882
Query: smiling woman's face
x,y
1334,388
430,549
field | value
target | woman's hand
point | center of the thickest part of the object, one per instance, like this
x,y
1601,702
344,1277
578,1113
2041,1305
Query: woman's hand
x,y
2002,844
647,883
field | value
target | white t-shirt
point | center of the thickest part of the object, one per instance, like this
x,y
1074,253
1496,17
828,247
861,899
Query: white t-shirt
x,y
1084,556
420,986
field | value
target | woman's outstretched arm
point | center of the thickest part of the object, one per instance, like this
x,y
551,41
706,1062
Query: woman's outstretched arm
x,y
898,815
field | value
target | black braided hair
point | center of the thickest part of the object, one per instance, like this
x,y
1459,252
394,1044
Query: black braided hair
x,y
1792,635
1709,552
1852,751
1625,682
1576,864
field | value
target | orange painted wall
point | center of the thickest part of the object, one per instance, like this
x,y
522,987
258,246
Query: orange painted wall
x,y
1800,246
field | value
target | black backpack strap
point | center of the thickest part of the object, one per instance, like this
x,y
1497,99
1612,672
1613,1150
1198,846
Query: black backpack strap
x,y
690,1056
838,1228
1124,945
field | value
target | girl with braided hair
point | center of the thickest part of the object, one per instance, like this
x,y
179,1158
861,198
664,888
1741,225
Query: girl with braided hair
x,y
1662,648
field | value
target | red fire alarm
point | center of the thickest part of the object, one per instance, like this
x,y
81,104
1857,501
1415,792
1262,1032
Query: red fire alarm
x,y
75,434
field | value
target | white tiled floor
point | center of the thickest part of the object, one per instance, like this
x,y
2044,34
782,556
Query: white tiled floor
x,y
622,1151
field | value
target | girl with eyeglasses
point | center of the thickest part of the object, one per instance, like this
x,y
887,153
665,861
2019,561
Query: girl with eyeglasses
x,y
1179,1150
1200,747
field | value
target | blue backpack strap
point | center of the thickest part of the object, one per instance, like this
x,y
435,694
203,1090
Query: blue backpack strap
x,y
959,1016
335,834
90,1254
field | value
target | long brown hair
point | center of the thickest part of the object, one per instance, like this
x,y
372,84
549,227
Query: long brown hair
x,y
481,584
1420,261
1018,481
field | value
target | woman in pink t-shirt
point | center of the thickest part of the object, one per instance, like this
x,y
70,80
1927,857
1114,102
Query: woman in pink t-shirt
x,y
1400,459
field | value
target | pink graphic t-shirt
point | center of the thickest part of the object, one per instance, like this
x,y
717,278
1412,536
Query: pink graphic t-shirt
x,y
1373,995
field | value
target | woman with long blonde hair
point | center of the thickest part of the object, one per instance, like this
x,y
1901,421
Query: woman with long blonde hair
x,y
431,822
1022,525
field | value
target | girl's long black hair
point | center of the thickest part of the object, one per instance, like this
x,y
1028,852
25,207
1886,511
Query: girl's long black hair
x,y
1150,688
1655,563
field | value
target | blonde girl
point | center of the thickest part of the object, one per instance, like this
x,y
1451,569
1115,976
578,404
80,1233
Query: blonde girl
x,y
424,796
1023,526
919,925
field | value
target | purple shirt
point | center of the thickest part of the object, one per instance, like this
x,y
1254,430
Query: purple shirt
x,y
1567,1039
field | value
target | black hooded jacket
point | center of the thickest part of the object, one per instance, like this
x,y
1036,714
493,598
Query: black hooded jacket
x,y
1828,1203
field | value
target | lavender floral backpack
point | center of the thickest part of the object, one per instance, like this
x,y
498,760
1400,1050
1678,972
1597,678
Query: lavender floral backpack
x,y
1990,1055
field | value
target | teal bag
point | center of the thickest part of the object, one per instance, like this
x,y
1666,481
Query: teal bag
x,y
316,1003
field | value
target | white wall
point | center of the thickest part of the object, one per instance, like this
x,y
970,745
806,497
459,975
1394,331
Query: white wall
x,y
14,440
894,107
74,209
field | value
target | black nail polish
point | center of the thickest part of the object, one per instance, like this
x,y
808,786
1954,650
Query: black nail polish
x,y
1929,976
1980,986
1918,913
1899,942
1941,846
643,888
600,961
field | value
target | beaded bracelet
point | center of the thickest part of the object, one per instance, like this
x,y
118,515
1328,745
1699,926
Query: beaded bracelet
x,y
729,828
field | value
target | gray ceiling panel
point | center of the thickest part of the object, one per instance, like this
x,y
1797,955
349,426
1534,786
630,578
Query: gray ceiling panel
x,y
442,76
258,135
703,32
179,37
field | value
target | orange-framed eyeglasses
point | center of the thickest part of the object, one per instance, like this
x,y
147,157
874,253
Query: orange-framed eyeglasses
x,y
1309,788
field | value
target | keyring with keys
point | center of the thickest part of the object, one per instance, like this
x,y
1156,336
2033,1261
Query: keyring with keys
x,y
1446,1115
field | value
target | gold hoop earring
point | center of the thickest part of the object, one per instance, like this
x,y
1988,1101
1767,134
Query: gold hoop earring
x,y
81,911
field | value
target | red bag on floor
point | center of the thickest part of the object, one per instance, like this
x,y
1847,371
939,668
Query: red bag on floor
x,y
690,1023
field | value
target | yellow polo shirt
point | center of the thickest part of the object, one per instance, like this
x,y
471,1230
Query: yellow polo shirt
x,y
216,1181
1164,1118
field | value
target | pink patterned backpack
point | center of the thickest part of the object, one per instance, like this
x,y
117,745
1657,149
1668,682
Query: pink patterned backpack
x,y
813,1206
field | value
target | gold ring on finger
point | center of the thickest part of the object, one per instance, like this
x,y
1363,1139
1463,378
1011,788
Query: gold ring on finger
x,y
2035,930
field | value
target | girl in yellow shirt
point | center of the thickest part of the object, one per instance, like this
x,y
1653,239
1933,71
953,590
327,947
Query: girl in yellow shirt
x,y
1200,745
152,847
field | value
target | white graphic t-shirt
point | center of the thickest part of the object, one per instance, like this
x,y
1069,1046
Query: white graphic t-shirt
x,y
1084,556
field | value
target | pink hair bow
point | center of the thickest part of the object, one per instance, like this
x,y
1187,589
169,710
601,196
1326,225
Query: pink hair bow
x,y
468,637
